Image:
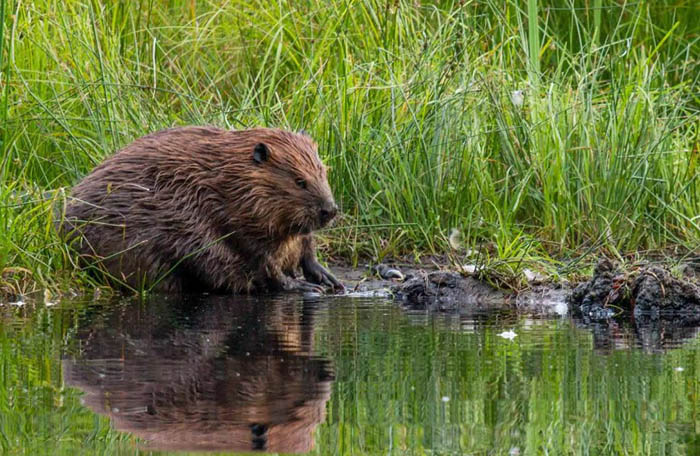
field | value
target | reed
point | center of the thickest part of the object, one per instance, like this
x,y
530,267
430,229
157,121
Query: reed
x,y
412,104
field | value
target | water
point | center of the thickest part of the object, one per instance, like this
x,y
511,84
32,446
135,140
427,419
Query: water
x,y
338,376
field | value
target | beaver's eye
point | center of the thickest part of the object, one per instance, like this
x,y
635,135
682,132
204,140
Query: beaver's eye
x,y
301,183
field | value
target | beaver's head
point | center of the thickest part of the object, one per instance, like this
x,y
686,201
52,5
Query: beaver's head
x,y
285,183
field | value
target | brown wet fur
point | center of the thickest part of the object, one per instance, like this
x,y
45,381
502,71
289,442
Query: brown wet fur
x,y
196,209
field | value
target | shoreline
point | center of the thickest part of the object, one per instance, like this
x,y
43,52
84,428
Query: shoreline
x,y
609,293
612,292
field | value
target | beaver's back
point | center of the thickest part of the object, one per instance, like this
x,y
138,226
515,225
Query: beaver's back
x,y
140,197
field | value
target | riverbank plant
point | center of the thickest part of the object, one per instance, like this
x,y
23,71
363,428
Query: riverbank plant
x,y
539,130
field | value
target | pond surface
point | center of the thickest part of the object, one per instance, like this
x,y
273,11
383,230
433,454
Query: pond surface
x,y
338,376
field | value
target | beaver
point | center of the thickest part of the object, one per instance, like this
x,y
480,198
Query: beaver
x,y
206,209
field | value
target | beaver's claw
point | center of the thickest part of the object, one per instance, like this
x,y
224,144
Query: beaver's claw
x,y
315,273
302,286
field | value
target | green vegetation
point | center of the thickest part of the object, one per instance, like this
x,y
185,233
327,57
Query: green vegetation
x,y
411,102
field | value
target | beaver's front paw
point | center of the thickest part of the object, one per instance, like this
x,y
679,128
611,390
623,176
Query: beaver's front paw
x,y
302,286
315,273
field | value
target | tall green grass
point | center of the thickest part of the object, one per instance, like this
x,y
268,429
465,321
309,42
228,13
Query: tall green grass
x,y
411,103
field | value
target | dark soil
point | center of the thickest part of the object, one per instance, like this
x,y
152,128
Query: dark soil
x,y
446,291
428,288
647,293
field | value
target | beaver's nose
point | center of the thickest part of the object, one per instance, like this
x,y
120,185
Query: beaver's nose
x,y
328,211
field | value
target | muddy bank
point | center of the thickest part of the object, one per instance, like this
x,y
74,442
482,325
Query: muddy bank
x,y
421,288
646,293
650,292
432,289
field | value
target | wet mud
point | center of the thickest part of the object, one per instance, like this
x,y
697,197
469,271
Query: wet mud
x,y
434,289
650,292
446,291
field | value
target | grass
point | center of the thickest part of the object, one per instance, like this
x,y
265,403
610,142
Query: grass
x,y
412,106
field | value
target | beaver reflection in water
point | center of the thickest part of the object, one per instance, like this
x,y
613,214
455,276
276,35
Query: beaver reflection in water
x,y
214,373
206,209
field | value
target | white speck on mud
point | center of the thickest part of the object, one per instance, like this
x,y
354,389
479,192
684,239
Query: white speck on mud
x,y
561,308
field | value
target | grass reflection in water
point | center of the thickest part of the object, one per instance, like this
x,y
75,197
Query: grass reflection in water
x,y
338,377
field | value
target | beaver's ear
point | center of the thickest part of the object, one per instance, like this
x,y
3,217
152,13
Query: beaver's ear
x,y
260,153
